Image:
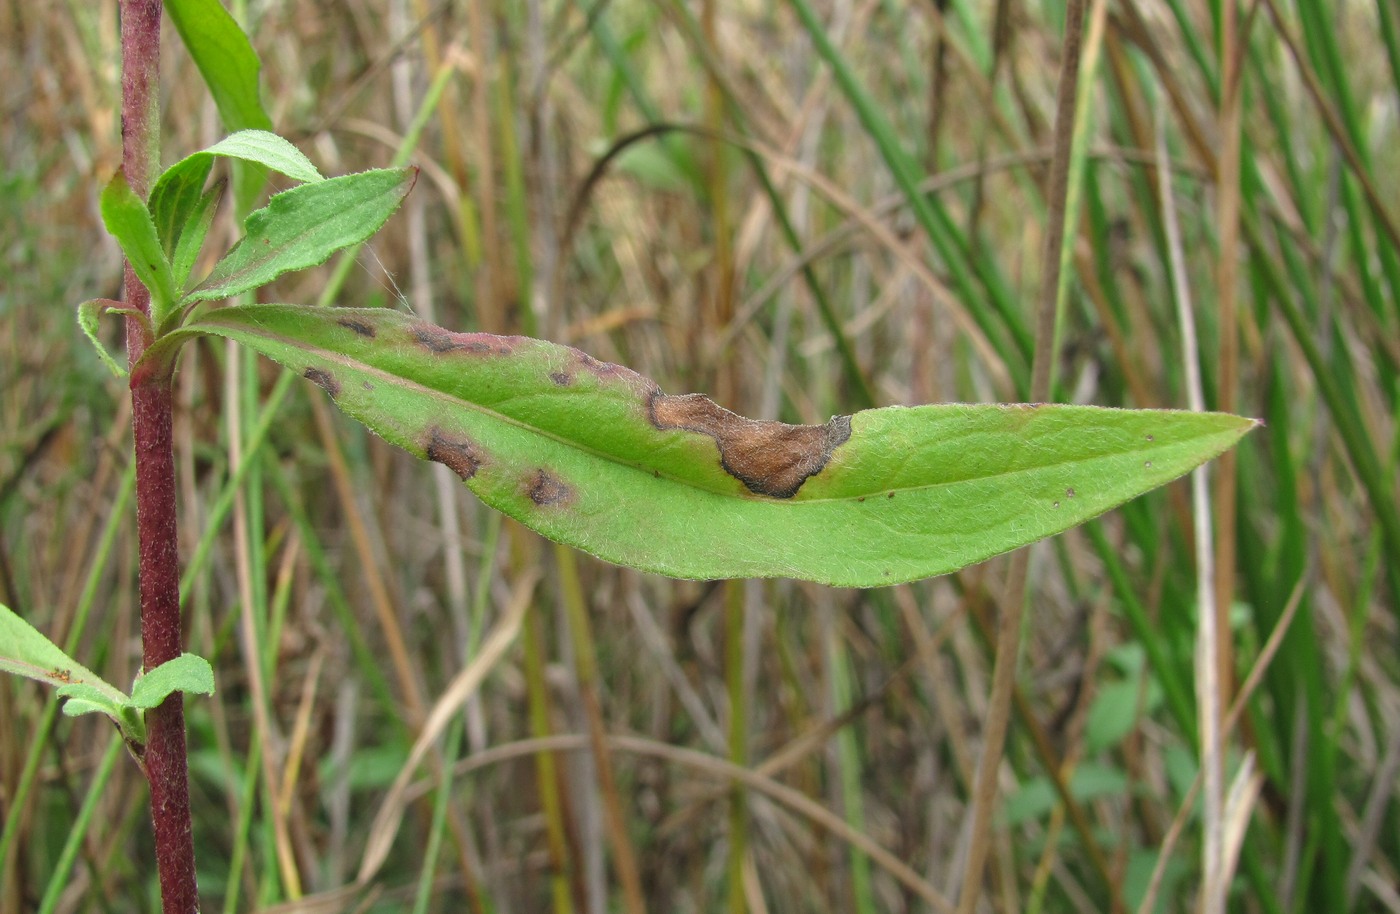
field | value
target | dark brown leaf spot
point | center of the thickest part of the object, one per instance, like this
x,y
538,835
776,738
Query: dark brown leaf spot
x,y
770,458
357,326
436,339
459,455
561,378
323,379
545,490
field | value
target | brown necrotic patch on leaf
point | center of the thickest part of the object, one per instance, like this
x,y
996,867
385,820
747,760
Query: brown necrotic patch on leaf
x,y
769,458
561,378
323,379
436,339
545,490
610,371
357,327
459,455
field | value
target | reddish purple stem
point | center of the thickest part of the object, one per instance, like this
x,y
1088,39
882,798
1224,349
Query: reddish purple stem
x,y
167,769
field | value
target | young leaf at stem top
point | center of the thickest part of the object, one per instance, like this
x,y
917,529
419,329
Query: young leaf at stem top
x,y
596,456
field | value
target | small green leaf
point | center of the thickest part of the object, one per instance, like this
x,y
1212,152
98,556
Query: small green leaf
x,y
179,187
186,673
127,218
81,698
26,652
1036,797
90,315
304,226
597,457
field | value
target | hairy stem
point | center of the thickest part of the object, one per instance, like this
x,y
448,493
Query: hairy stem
x,y
164,756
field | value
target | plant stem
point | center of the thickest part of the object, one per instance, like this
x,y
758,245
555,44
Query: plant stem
x,y
164,757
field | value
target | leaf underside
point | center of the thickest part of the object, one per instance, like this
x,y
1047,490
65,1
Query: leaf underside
x,y
24,651
596,456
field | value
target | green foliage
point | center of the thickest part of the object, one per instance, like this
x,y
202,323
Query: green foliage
x,y
298,228
232,71
595,456
127,218
24,651
304,226
638,281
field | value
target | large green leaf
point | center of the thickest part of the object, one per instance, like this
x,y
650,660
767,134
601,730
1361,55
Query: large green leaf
x,y
596,456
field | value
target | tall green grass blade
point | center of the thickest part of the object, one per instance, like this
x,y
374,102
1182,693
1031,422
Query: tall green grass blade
x,y
18,800
849,762
61,877
442,796
1355,438
951,245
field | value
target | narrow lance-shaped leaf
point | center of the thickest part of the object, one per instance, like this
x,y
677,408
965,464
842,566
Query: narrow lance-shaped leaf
x,y
192,234
304,226
596,456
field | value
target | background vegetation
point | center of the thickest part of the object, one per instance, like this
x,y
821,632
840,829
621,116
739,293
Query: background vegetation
x,y
760,248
